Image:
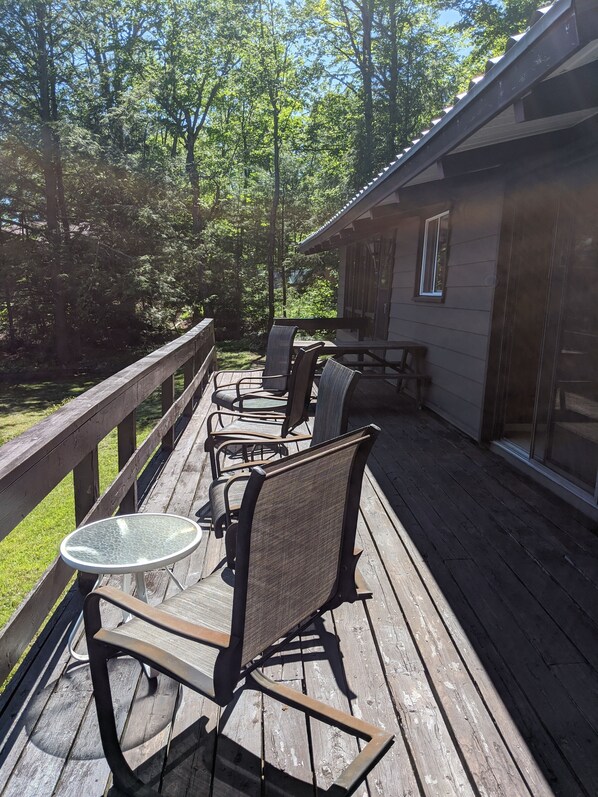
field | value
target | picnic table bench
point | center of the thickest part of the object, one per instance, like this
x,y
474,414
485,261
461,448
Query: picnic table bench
x,y
408,368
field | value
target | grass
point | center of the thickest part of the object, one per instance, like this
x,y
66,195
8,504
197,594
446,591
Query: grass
x,y
33,545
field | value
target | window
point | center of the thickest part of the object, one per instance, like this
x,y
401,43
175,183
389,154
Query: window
x,y
434,255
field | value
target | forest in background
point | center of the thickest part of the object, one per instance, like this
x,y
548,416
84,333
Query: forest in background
x,y
160,161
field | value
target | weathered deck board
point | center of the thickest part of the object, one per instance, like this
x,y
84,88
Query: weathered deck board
x,y
478,648
503,589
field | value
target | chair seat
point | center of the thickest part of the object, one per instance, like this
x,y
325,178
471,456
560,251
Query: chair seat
x,y
255,426
235,496
229,400
209,603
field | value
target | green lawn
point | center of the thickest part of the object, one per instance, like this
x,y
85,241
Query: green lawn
x,y
28,550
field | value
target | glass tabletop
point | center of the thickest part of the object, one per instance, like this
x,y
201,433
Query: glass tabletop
x,y
130,543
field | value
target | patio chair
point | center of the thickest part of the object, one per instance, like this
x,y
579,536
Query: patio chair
x,y
273,379
294,561
335,389
223,425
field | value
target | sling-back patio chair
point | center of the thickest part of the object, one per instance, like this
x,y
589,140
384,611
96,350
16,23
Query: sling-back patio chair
x,y
222,424
273,380
335,389
294,561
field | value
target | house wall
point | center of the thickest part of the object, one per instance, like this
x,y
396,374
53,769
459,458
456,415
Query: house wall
x,y
455,331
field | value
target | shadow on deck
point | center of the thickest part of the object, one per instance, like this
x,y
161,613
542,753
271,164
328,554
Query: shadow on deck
x,y
479,648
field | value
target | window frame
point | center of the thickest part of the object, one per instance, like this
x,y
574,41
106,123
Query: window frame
x,y
420,294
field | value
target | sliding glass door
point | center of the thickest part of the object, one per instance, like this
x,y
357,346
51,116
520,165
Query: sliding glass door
x,y
566,437
549,380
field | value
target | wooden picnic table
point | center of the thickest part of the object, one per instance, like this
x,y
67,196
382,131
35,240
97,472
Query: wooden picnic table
x,y
408,367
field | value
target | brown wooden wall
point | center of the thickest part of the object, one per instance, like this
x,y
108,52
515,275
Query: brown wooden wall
x,y
456,331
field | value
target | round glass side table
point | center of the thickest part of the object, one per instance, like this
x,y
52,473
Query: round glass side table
x,y
129,544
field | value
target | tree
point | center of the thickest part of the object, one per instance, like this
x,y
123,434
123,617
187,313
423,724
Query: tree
x,y
489,23
197,47
32,43
398,60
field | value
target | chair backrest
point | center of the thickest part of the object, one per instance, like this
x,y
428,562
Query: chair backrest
x,y
279,352
295,540
300,385
335,389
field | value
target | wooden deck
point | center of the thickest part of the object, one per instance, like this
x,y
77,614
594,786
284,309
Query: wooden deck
x,y
479,649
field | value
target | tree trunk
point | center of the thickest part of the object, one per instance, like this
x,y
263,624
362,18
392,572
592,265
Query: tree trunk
x,y
193,175
12,337
367,149
281,256
48,151
393,85
273,212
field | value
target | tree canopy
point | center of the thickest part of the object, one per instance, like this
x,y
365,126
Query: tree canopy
x,y
160,161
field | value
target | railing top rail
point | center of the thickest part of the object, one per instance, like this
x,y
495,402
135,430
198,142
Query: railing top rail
x,y
63,421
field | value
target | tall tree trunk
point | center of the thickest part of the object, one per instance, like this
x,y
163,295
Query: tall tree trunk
x,y
12,338
367,148
193,175
48,150
281,256
393,84
271,259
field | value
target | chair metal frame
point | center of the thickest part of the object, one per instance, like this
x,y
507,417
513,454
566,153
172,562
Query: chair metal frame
x,y
295,411
230,667
272,378
336,387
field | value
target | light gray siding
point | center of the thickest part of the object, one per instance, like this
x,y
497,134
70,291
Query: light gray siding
x,y
455,331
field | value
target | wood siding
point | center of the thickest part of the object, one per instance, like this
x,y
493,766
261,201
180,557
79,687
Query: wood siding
x,y
456,331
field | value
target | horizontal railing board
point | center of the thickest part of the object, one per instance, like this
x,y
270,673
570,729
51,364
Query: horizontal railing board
x,y
32,464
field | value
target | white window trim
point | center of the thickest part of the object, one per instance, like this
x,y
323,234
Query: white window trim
x,y
422,274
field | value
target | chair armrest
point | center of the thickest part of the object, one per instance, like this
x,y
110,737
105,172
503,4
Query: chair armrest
x,y
251,439
234,371
227,488
220,414
239,416
249,379
247,446
154,616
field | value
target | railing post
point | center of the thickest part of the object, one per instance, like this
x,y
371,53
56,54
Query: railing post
x,y
127,443
86,482
167,402
188,374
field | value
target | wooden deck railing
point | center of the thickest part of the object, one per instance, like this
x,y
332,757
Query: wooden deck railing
x,y
33,464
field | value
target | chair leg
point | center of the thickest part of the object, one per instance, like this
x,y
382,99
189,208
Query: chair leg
x,y
99,653
377,740
124,777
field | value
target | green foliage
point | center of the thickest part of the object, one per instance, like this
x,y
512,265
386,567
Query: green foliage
x,y
316,301
160,162
488,25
